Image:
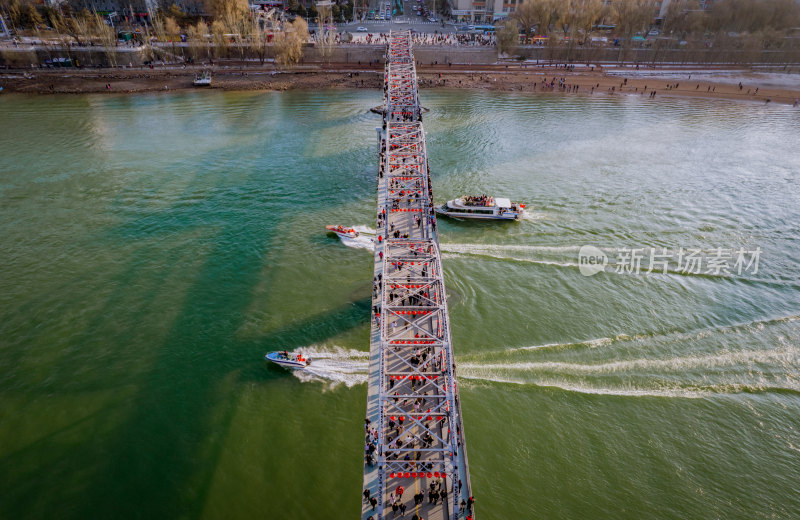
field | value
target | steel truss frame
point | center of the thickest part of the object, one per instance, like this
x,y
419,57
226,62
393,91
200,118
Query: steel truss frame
x,y
419,423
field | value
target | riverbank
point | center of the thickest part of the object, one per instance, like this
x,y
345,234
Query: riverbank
x,y
755,87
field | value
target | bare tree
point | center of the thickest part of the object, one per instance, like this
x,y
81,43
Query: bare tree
x,y
587,12
289,44
194,41
218,34
77,26
527,15
171,28
262,34
107,37
539,14
508,36
548,13
229,11
325,39
632,16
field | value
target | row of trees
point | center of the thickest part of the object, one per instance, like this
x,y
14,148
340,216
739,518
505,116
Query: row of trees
x,y
576,18
234,29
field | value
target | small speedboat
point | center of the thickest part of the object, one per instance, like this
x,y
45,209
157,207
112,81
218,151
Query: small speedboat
x,y
342,232
288,360
482,207
203,80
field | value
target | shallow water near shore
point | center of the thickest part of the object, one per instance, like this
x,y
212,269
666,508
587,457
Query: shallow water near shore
x,y
153,248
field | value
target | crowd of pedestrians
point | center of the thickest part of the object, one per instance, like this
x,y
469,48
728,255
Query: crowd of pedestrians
x,y
442,39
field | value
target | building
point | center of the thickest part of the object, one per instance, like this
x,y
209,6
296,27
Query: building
x,y
481,11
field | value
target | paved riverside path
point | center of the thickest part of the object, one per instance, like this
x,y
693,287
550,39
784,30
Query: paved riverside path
x,y
414,444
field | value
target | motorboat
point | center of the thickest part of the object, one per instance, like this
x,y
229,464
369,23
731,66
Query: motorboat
x,y
342,232
482,207
288,360
203,80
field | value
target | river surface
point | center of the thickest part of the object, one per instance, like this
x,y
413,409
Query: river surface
x,y
153,248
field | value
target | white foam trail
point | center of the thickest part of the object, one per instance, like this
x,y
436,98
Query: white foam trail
x,y
496,252
785,356
454,247
364,240
453,250
334,366
359,242
591,343
533,215
601,342
627,392
510,259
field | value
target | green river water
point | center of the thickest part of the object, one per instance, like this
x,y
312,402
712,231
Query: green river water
x,y
153,248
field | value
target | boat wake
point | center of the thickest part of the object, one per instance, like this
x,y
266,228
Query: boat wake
x,y
698,364
567,257
533,215
451,247
364,240
672,336
334,366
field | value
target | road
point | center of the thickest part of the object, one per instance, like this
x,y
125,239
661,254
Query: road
x,y
409,20
415,23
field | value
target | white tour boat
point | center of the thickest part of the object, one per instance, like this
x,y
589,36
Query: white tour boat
x,y
287,360
342,232
482,207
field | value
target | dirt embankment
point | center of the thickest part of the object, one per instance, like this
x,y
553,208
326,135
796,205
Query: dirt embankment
x,y
488,77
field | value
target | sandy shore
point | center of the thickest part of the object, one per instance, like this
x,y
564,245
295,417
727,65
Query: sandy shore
x,y
488,77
